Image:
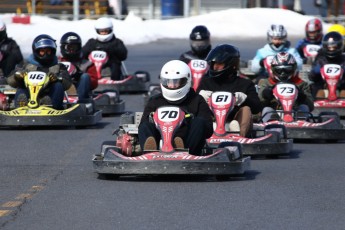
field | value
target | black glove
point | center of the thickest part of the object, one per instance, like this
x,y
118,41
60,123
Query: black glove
x,y
4,50
301,96
267,93
262,62
53,77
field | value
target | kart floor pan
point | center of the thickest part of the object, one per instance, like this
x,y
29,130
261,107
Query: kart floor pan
x,y
339,111
260,149
60,120
223,161
170,167
316,134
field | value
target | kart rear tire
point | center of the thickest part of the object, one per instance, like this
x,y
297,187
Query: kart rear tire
x,y
108,176
144,79
326,115
222,177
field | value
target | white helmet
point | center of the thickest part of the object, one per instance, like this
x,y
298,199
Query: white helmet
x,y
175,80
104,24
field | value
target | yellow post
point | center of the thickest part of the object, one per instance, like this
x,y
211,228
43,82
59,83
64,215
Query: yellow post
x,y
97,10
29,6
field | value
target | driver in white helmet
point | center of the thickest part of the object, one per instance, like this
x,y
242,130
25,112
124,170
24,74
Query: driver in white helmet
x,y
108,42
175,82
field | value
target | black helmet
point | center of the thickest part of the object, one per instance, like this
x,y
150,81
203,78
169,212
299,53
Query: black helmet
x,y
44,41
228,55
70,46
332,44
283,66
200,40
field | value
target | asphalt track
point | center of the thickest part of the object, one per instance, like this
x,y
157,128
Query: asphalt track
x,y
47,180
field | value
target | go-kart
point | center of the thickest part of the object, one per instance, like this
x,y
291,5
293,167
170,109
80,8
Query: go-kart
x,y
310,51
301,125
124,156
37,114
198,69
129,83
272,141
331,74
105,96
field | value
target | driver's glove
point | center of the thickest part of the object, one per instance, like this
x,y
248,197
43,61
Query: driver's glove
x,y
53,77
19,75
240,98
206,94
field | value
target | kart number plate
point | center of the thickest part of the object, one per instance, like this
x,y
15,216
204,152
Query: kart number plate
x,y
98,55
36,78
311,50
168,114
286,89
221,98
198,65
332,70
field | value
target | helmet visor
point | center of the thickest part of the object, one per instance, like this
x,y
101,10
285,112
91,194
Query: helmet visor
x,y
200,45
174,83
44,51
283,70
71,48
103,31
43,43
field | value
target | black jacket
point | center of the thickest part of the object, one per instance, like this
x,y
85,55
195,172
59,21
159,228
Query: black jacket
x,y
233,84
115,49
11,55
194,104
190,55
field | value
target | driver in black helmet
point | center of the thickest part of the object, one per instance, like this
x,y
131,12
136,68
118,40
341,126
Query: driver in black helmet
x,y
200,44
70,47
330,53
43,58
224,75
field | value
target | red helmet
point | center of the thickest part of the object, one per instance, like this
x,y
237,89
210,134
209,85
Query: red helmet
x,y
313,30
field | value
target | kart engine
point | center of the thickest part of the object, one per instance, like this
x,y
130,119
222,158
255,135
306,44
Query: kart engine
x,y
4,105
128,143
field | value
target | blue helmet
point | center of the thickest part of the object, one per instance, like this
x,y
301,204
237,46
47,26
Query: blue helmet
x,y
40,42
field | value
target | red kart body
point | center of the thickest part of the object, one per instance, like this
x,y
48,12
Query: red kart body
x,y
331,74
198,69
299,125
122,157
129,83
270,143
310,51
106,95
